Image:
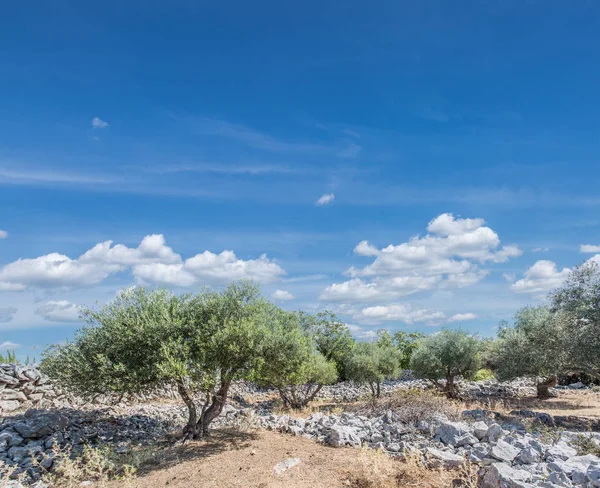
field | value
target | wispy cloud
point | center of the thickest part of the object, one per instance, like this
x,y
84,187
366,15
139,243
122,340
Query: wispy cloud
x,y
98,123
9,345
429,113
350,152
231,169
38,176
311,277
253,138
325,199
3,234
7,314
350,132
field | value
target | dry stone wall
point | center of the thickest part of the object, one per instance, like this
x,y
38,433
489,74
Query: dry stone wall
x,y
24,387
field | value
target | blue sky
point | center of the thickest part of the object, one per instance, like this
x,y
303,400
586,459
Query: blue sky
x,y
459,140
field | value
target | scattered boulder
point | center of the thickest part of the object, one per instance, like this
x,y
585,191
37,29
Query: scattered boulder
x,y
593,475
456,434
480,429
495,432
503,451
560,450
444,458
286,464
339,435
502,475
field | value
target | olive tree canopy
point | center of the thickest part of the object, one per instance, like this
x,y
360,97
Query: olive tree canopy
x,y
291,362
370,363
146,339
533,346
445,355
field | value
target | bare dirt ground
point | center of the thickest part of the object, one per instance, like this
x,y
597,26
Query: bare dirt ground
x,y
584,403
234,459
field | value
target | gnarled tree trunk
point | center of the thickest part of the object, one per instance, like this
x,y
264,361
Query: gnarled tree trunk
x,y
189,431
544,386
297,400
450,388
214,409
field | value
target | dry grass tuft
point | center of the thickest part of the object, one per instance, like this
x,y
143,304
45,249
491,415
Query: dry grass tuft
x,y
95,463
378,470
411,406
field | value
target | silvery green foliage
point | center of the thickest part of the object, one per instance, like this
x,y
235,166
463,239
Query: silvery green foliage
x,y
370,363
332,336
291,361
545,341
577,306
533,346
146,339
126,347
445,355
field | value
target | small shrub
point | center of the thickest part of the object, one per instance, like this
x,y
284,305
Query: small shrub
x,y
97,463
548,435
483,375
585,445
9,357
411,406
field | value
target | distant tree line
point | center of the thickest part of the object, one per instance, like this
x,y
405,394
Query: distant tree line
x,y
199,344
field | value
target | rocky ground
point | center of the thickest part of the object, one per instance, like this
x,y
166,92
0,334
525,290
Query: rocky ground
x,y
519,448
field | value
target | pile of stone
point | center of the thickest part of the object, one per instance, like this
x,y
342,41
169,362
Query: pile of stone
x,y
520,387
25,387
29,441
508,456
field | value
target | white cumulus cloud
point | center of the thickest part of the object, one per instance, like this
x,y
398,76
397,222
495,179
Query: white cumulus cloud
x,y
449,256
3,234
462,317
360,332
355,289
325,199
542,277
152,261
401,312
589,248
98,123
282,295
59,311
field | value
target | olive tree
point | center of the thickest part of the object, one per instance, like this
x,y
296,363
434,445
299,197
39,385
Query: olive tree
x,y
576,305
291,363
333,338
404,342
370,363
533,346
146,339
446,355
